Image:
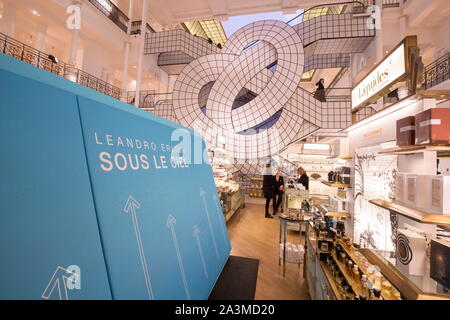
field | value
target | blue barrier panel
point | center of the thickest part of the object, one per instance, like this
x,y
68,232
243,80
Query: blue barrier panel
x,y
162,231
47,216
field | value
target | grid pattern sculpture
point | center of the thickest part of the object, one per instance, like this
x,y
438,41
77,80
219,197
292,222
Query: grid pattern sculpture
x,y
278,115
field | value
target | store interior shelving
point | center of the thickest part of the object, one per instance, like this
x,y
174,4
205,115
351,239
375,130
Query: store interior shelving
x,y
412,149
414,214
336,185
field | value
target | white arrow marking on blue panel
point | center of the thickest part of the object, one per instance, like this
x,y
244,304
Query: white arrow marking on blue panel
x,y
220,213
197,237
170,222
58,277
202,194
132,205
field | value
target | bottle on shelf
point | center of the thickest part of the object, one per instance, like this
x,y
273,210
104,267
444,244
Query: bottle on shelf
x,y
349,266
371,295
356,273
377,293
349,294
364,286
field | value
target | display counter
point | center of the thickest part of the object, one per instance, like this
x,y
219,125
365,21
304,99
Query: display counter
x,y
231,196
232,202
336,270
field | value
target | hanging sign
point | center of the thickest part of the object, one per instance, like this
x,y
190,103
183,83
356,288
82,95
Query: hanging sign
x,y
394,68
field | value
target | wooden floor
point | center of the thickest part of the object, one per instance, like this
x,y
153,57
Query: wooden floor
x,y
254,236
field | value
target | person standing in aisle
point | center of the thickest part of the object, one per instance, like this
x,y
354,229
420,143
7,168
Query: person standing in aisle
x,y
319,94
304,179
268,188
278,191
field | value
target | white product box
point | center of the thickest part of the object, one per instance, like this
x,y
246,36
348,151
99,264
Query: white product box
x,y
294,252
410,188
423,192
400,187
411,252
429,193
440,195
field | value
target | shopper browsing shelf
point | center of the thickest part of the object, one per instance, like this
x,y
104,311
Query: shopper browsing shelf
x,y
278,190
304,179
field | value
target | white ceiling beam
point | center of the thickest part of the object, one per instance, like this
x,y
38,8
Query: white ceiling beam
x,y
219,9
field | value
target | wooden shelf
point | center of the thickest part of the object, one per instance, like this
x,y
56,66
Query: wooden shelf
x,y
414,214
322,208
355,286
336,185
338,198
349,252
342,157
413,149
331,281
337,214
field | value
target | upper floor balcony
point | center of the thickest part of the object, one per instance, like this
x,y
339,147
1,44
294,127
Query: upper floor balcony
x,y
437,72
110,10
21,51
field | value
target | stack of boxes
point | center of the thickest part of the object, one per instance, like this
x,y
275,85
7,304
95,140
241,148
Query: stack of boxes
x,y
431,126
294,252
424,192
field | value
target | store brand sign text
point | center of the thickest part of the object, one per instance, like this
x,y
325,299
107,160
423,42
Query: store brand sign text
x,y
387,72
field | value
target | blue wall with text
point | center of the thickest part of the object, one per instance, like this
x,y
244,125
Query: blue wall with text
x,y
94,205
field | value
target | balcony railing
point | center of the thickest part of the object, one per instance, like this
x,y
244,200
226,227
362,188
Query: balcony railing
x,y
437,72
386,3
147,100
21,51
136,28
110,10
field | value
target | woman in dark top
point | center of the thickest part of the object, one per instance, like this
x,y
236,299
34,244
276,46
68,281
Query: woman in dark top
x,y
268,189
320,91
278,191
304,179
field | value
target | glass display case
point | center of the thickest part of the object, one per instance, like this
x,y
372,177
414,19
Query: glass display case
x,y
336,270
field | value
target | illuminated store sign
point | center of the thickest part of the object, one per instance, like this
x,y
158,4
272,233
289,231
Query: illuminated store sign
x,y
387,72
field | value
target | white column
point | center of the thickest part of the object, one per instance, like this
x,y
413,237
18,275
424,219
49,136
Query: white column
x,y
123,91
379,44
141,51
8,23
403,27
70,73
41,35
74,47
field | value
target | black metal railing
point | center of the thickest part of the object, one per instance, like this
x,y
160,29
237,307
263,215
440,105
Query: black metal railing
x,y
21,51
391,3
136,28
437,72
386,3
87,80
110,10
148,99
333,94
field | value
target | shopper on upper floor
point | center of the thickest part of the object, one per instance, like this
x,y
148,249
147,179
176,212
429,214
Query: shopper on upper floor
x,y
278,191
268,188
319,94
304,179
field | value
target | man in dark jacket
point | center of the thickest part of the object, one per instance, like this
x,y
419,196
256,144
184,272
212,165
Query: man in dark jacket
x,y
304,179
278,190
268,189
